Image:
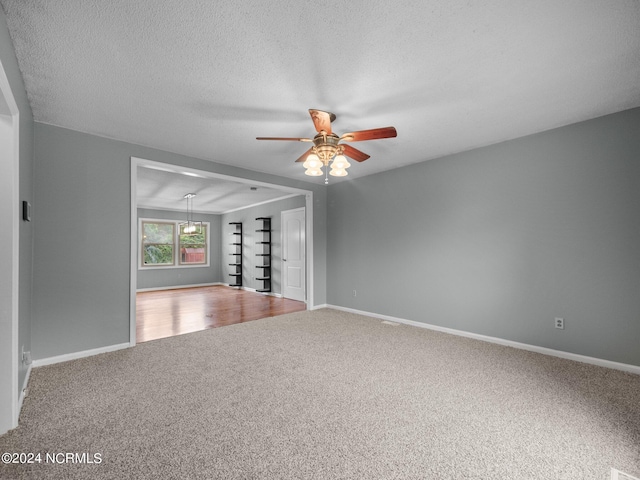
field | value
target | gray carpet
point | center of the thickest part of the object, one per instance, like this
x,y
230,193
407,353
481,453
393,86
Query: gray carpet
x,y
326,395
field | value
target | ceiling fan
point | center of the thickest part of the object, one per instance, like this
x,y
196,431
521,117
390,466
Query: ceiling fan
x,y
328,149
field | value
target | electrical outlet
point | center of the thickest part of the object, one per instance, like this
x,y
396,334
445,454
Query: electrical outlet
x,y
354,293
560,323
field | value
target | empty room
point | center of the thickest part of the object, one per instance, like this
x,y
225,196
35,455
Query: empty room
x,y
422,218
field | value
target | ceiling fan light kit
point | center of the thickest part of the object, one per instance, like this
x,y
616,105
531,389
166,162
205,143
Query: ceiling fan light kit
x,y
313,172
327,148
312,161
313,165
338,172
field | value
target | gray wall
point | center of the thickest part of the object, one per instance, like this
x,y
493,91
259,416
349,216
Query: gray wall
x,y
249,225
172,277
500,240
81,251
10,65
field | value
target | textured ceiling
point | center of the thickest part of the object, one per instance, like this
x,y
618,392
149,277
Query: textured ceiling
x,y
204,78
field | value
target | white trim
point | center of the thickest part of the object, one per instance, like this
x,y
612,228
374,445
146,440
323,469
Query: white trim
x,y
500,341
196,285
133,254
168,167
324,305
262,203
11,172
253,290
177,287
23,390
76,355
224,212
308,214
249,289
618,475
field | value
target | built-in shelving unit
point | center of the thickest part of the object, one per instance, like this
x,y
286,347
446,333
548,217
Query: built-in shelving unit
x,y
236,255
263,261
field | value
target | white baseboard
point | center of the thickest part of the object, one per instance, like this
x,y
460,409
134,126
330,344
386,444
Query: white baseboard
x,y
176,287
249,289
500,341
324,305
74,356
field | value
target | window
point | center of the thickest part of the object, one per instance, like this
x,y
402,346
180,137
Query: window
x,y
158,243
193,248
163,245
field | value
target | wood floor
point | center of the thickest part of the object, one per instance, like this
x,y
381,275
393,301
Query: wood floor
x,y
165,313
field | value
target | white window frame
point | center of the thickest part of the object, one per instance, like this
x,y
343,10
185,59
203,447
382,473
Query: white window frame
x,y
176,245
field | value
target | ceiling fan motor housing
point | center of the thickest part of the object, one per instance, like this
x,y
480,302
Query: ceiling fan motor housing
x,y
326,146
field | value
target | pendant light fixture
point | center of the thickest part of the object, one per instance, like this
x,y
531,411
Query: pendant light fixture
x,y
190,227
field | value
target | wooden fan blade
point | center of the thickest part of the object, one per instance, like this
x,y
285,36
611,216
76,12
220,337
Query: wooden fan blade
x,y
288,139
354,153
322,120
373,134
304,156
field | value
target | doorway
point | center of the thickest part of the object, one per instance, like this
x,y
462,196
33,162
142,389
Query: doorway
x,y
137,163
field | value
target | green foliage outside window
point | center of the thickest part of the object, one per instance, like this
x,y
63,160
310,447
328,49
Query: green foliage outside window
x,y
161,239
198,239
158,243
193,247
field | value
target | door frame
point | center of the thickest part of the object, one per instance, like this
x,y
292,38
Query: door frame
x,y
133,275
282,234
10,248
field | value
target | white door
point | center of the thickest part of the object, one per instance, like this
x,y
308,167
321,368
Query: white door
x,y
293,254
